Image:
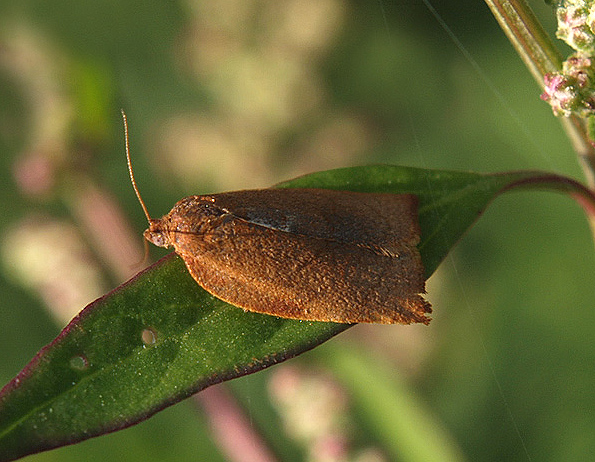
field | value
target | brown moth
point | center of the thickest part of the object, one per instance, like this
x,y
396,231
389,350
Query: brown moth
x,y
309,254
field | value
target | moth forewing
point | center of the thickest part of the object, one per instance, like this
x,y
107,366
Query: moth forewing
x,y
310,254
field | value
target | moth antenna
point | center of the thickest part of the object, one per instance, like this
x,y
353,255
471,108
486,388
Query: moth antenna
x,y
140,199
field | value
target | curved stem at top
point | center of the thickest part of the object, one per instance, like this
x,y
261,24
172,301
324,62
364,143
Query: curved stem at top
x,y
540,55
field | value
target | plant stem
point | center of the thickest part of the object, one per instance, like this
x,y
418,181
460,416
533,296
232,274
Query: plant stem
x,y
527,36
575,129
541,56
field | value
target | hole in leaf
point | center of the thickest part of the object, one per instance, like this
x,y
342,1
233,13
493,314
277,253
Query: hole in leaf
x,y
149,336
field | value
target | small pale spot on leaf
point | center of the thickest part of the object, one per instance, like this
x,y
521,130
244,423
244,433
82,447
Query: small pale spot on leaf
x,y
149,336
79,363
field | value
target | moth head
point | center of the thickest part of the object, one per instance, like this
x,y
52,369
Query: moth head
x,y
157,234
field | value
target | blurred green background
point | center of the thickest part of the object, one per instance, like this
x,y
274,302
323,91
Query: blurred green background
x,y
231,94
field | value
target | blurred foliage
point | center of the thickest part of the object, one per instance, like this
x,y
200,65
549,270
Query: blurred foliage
x,y
227,95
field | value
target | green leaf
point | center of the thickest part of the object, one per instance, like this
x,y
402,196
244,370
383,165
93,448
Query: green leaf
x,y
159,338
